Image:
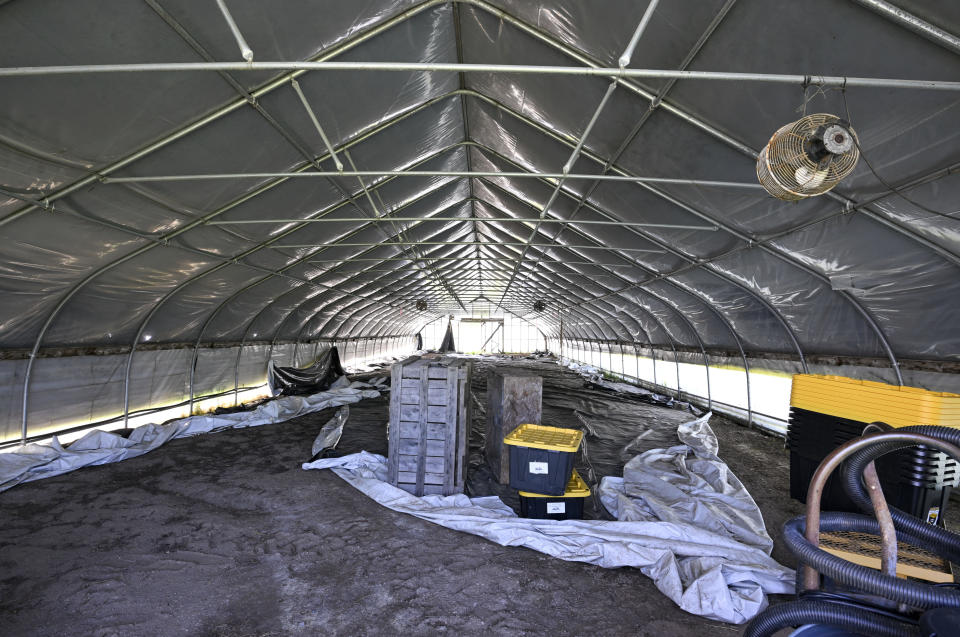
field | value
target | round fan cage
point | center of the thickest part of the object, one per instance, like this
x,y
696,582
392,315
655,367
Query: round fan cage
x,y
539,306
787,172
421,305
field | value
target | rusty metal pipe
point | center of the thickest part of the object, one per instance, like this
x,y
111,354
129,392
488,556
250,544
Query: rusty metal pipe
x,y
888,534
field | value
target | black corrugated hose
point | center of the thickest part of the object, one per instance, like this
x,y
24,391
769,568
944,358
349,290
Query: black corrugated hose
x,y
862,578
857,620
909,529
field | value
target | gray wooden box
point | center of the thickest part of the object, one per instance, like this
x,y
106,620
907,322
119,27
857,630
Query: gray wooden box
x,y
429,425
514,397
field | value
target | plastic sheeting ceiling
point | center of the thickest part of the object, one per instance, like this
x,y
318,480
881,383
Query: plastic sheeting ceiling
x,y
116,262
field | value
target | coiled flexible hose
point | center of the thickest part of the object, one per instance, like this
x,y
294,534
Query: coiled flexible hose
x,y
862,578
855,620
933,538
909,529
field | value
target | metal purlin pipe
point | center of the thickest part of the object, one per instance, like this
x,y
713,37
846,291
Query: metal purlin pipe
x,y
466,174
699,263
462,84
398,232
684,289
417,220
662,300
826,81
569,287
78,286
328,246
417,286
555,273
376,213
126,386
750,242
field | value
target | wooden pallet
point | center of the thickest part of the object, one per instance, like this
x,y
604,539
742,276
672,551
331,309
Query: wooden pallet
x,y
429,425
864,549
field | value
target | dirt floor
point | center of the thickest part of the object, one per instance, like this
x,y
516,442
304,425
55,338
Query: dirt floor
x,y
225,535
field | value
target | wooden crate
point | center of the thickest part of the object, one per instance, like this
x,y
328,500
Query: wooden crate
x,y
429,425
514,397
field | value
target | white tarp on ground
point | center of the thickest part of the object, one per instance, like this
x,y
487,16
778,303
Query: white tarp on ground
x,y
684,520
35,461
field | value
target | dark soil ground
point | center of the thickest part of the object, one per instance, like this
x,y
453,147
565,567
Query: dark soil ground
x,y
224,535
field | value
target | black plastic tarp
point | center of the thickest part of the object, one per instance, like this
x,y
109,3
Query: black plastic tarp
x,y
316,377
447,345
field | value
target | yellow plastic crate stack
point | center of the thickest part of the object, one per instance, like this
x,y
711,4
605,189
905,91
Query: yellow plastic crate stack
x,y
868,401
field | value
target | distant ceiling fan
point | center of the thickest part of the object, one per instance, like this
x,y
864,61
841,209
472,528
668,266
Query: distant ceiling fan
x,y
808,157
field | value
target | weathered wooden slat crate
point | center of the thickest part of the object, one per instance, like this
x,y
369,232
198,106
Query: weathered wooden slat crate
x,y
514,397
429,425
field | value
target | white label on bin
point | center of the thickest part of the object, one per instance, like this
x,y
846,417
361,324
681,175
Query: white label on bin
x,y
556,507
539,467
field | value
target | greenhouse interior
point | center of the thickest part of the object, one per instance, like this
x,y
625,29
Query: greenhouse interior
x,y
324,317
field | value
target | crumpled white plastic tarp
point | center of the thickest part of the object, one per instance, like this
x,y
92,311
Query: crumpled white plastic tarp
x,y
36,461
709,553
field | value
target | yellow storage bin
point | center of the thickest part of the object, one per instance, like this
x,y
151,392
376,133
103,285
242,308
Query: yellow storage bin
x,y
541,457
869,401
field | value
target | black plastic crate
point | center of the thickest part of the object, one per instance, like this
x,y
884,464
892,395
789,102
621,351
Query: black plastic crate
x,y
834,498
541,458
568,506
915,480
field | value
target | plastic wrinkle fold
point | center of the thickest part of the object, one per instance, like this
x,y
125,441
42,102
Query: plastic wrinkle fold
x,y
710,553
36,461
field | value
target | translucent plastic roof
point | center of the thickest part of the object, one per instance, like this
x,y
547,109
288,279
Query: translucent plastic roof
x,y
94,253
